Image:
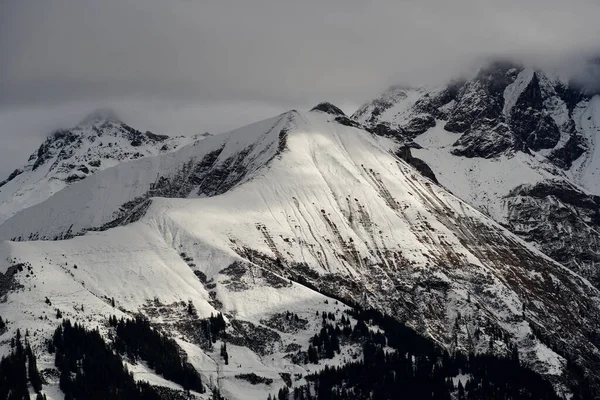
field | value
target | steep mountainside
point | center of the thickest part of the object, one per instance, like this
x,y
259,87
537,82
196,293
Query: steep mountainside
x,y
98,142
517,143
251,221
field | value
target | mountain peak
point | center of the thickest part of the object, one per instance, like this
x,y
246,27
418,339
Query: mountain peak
x,y
328,108
101,140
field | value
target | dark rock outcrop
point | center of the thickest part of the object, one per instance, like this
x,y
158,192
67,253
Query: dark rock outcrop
x,y
405,154
481,100
348,122
419,125
385,131
562,220
535,129
12,176
328,108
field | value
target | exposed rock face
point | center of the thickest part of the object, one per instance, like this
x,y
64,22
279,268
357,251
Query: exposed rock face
x,y
419,124
542,129
534,128
563,220
328,108
421,166
480,101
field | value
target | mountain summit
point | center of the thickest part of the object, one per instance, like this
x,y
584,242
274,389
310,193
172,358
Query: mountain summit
x,y
328,108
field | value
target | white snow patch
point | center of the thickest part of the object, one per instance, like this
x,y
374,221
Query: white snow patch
x,y
514,90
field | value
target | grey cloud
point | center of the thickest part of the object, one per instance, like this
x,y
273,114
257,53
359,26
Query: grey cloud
x,y
268,50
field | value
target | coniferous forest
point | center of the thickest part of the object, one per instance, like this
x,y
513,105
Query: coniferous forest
x,y
89,369
398,363
17,369
136,339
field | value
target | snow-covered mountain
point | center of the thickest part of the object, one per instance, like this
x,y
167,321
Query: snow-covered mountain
x,y
519,144
206,168
98,142
289,214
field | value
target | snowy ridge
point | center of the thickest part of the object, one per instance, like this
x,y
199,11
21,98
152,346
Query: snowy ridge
x,y
392,106
317,202
99,142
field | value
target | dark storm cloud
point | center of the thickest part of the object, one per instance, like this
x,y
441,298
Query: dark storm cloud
x,y
249,58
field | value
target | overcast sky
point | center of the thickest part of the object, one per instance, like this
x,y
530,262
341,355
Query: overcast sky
x,y
189,66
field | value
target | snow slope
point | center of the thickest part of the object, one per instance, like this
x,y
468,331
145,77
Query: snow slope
x,y
99,142
586,172
483,183
143,274
297,198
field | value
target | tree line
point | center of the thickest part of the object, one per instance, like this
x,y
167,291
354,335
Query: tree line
x,y
397,363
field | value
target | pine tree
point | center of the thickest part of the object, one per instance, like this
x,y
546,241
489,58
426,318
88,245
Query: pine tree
x,y
284,393
313,356
224,353
34,374
191,310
